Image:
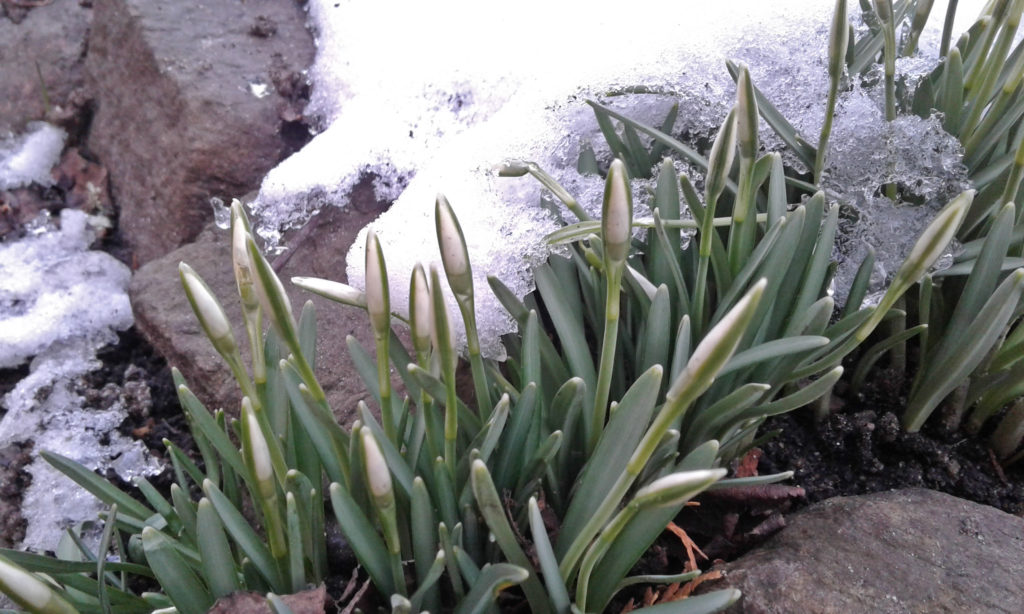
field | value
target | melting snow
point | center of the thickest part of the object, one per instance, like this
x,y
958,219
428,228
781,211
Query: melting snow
x,y
60,303
455,88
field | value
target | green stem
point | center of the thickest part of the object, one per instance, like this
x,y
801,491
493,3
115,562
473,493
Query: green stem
x,y
608,343
826,131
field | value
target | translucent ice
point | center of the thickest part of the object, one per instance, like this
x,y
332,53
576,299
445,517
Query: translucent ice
x,y
456,87
29,157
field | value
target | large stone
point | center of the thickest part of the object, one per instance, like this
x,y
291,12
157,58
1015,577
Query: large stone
x,y
42,53
193,100
165,317
905,551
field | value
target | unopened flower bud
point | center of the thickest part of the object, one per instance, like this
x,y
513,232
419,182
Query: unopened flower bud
x,y
746,117
513,168
720,160
29,591
419,309
259,452
617,214
677,488
838,40
452,243
208,310
378,476
378,304
333,290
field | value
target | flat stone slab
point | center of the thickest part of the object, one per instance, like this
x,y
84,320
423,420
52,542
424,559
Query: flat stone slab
x,y
897,552
163,314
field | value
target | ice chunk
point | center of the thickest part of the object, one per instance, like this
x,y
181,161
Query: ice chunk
x,y
866,153
28,158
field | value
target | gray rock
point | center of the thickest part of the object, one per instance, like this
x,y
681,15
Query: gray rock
x,y
191,101
50,37
164,317
905,551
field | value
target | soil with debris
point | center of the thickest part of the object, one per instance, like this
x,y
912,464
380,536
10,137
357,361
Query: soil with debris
x,y
861,449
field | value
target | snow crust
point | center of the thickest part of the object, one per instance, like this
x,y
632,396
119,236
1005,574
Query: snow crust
x,y
455,88
29,157
59,304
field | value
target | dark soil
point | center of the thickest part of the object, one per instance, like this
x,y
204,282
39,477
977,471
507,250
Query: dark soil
x,y
861,449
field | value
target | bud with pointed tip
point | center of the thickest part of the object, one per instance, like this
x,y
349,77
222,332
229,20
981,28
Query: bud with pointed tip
x,y
717,347
838,40
419,310
378,303
720,160
617,214
258,452
441,332
378,476
452,244
332,290
676,488
746,117
28,591
208,310
513,168
240,257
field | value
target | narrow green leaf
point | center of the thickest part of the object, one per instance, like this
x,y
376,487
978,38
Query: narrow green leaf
x,y
176,578
100,488
247,539
218,562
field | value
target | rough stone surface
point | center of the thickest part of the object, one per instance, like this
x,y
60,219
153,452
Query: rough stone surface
x,y
307,602
164,316
51,37
903,551
193,100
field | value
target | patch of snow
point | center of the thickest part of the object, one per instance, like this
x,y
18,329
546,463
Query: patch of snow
x,y
28,158
456,87
59,304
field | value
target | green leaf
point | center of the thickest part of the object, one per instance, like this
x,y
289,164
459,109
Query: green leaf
x,y
189,594
494,515
492,580
618,443
218,562
363,538
557,590
246,538
100,488
773,350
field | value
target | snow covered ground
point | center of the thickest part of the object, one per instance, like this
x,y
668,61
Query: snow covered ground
x,y
60,302
451,89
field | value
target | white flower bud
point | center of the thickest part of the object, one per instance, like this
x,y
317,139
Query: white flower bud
x,y
208,310
333,290
262,468
378,476
452,243
377,300
677,488
617,213
29,591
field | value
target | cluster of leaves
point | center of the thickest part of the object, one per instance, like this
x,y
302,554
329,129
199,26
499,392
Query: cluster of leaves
x,y
641,367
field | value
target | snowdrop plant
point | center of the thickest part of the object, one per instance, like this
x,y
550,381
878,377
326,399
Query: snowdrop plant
x,y
417,494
